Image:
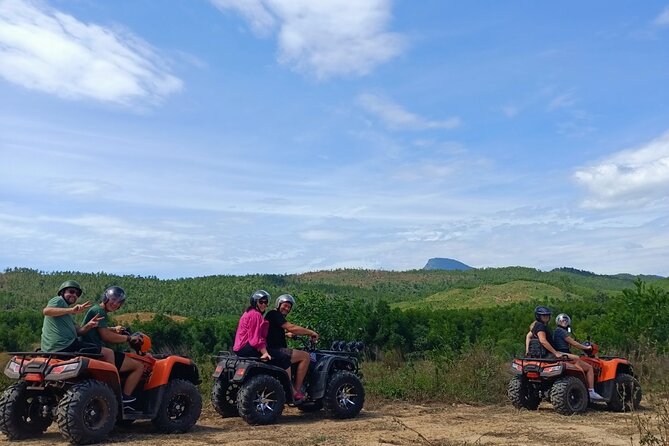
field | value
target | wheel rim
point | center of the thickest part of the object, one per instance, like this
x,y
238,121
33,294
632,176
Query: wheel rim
x,y
31,413
177,407
95,414
265,401
346,396
575,398
231,394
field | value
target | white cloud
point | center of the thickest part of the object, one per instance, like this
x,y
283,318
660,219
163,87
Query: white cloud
x,y
663,18
395,116
629,178
510,111
326,37
317,235
44,49
563,101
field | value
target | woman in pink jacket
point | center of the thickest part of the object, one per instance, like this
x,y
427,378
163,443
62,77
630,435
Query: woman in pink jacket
x,y
251,335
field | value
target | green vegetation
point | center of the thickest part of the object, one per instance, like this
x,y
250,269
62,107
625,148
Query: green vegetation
x,y
429,334
487,296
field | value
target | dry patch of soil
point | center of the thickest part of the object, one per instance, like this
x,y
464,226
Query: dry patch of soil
x,y
393,424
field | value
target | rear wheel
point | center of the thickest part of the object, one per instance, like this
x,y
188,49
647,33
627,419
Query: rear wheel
x,y
20,413
569,395
626,395
344,395
522,395
180,408
87,412
224,398
261,400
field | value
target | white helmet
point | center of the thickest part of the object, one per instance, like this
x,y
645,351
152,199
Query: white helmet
x,y
285,298
563,318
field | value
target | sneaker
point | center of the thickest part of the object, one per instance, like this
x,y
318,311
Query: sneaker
x,y
127,399
298,396
594,396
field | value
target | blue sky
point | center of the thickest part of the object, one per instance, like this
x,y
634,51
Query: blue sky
x,y
189,138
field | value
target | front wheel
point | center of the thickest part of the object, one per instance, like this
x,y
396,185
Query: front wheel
x,y
180,408
20,413
344,395
224,398
261,400
87,412
626,395
569,395
522,396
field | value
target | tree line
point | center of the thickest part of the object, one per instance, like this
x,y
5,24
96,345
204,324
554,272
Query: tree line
x,y
354,306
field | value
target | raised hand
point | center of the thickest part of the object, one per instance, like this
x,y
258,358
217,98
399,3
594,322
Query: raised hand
x,y
79,308
94,322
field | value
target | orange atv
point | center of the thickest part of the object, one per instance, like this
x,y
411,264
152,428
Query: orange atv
x,y
82,394
562,382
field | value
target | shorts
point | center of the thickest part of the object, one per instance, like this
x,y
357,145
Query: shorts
x,y
78,345
286,351
119,357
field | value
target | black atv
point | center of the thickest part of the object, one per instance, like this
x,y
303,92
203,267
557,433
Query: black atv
x,y
257,391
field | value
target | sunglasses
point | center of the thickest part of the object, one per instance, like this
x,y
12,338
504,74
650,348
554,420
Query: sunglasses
x,y
264,302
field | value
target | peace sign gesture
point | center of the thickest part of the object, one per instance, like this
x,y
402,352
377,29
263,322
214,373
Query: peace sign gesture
x,y
80,308
93,322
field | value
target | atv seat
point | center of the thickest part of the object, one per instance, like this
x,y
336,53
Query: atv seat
x,y
92,352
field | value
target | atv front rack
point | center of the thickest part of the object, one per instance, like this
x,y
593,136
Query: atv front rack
x,y
545,359
50,355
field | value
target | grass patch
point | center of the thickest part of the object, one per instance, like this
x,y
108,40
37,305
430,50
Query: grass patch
x,y
475,376
487,296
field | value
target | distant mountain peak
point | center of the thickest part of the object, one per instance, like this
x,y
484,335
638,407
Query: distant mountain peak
x,y
447,264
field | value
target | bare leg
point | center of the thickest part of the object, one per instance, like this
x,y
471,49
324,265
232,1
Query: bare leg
x,y
301,358
589,374
107,355
135,368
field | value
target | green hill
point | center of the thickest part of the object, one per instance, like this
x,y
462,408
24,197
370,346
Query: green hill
x,y
486,296
211,296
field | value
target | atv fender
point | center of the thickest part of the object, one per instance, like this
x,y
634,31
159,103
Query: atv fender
x,y
318,377
610,368
248,369
89,368
607,387
170,368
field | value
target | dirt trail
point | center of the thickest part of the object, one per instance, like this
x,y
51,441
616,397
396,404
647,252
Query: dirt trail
x,y
393,424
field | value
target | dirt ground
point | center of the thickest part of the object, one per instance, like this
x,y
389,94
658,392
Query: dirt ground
x,y
394,424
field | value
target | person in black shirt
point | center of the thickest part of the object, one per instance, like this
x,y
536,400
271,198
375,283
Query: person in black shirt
x,y
539,340
562,340
276,338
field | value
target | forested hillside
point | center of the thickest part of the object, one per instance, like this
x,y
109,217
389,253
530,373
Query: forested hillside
x,y
412,312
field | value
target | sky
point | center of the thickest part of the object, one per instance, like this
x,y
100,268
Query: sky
x,y
190,138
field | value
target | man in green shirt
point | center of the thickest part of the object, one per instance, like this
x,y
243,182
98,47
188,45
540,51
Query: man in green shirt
x,y
59,330
112,299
